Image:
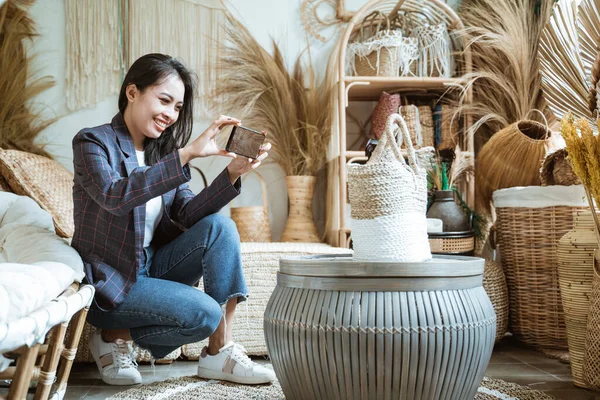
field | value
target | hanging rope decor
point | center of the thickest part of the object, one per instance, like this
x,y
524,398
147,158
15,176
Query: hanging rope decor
x,y
94,56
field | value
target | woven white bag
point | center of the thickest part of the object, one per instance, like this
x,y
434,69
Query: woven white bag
x,y
388,199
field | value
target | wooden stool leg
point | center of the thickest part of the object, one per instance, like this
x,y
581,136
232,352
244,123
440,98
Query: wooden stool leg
x,y
68,354
25,364
48,372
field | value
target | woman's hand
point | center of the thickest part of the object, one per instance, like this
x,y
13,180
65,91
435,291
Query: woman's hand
x,y
240,165
206,145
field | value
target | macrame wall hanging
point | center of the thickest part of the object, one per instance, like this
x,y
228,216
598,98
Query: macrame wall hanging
x,y
94,57
105,37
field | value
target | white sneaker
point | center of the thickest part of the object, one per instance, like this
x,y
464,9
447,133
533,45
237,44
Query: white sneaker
x,y
232,364
115,360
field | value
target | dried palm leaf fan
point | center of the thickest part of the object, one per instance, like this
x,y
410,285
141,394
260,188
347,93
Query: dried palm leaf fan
x,y
503,36
567,52
20,125
512,157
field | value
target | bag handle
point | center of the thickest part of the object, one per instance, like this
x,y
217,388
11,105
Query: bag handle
x,y
201,174
264,188
388,140
370,19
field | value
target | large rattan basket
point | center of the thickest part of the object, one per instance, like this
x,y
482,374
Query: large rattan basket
x,y
530,222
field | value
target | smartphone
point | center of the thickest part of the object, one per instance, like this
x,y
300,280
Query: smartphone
x,y
245,142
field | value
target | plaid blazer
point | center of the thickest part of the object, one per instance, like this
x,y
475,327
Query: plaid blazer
x,y
110,193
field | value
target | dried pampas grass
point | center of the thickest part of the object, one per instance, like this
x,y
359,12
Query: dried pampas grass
x,y
503,36
19,125
257,87
512,157
584,150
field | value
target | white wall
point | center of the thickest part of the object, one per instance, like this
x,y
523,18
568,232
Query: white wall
x,y
264,18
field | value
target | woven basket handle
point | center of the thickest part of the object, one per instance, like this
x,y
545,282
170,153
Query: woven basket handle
x,y
201,174
543,117
264,188
374,18
388,140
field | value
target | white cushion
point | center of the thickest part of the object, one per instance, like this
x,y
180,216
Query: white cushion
x,y
36,265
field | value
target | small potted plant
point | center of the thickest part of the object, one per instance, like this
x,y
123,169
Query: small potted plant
x,y
458,220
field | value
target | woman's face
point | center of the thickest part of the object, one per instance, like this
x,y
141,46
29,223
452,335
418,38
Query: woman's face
x,y
153,110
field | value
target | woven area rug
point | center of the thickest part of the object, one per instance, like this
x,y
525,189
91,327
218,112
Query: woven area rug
x,y
188,388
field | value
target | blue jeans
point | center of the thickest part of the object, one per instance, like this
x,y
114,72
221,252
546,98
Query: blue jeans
x,y
163,310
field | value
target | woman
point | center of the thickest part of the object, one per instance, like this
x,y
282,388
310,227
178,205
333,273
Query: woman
x,y
146,239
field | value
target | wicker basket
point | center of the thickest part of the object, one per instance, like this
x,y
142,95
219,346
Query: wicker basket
x,y
494,283
253,221
376,54
575,273
557,169
530,222
449,243
427,126
261,263
591,358
410,113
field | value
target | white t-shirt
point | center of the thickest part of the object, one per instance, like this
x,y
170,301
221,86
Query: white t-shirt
x,y
153,209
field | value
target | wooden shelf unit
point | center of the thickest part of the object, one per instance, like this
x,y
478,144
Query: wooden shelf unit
x,y
369,88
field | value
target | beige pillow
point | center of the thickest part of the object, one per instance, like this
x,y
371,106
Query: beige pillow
x,y
45,181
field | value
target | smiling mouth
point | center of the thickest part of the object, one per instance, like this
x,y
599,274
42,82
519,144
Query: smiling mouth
x,y
160,123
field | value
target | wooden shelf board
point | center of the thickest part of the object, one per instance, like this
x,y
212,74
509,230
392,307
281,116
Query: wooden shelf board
x,y
370,87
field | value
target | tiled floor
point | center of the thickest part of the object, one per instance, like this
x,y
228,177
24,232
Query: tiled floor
x,y
511,362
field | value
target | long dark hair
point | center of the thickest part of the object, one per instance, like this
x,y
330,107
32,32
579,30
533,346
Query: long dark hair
x,y
150,70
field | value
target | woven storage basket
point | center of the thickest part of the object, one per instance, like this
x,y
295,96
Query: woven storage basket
x,y
261,263
530,222
591,358
388,200
387,105
427,126
447,243
377,54
575,273
253,221
410,113
494,283
557,169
